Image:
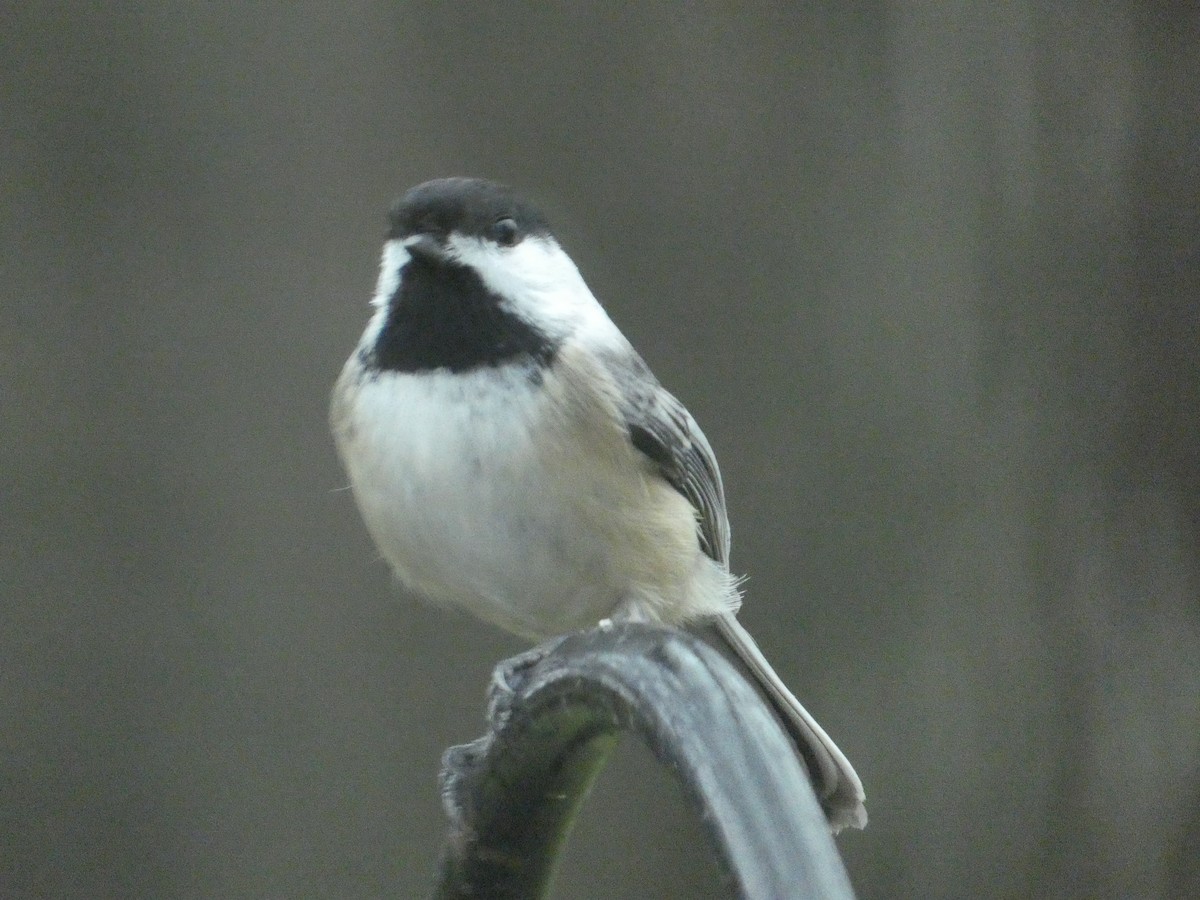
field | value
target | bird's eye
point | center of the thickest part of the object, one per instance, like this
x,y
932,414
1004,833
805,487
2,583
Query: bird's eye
x,y
505,232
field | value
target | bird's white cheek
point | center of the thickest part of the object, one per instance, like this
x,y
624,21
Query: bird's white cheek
x,y
538,281
393,260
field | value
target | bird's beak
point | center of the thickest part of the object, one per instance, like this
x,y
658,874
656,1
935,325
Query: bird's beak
x,y
427,246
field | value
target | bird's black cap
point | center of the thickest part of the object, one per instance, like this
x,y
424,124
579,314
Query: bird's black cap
x,y
469,206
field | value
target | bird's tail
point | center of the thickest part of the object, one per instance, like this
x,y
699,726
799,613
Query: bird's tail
x,y
836,783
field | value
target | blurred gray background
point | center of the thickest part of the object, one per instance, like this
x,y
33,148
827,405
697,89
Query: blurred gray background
x,y
927,274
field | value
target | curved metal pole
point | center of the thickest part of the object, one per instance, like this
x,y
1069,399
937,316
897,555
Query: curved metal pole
x,y
554,715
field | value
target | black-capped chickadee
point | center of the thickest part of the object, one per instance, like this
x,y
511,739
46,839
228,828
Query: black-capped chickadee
x,y
512,454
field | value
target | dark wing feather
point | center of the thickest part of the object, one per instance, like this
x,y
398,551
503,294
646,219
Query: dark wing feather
x,y
662,429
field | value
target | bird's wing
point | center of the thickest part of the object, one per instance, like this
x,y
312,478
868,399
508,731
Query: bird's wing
x,y
662,429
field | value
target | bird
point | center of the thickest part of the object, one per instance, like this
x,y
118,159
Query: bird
x,y
513,456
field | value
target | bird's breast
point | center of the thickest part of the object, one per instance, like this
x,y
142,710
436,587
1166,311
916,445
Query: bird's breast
x,y
489,490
